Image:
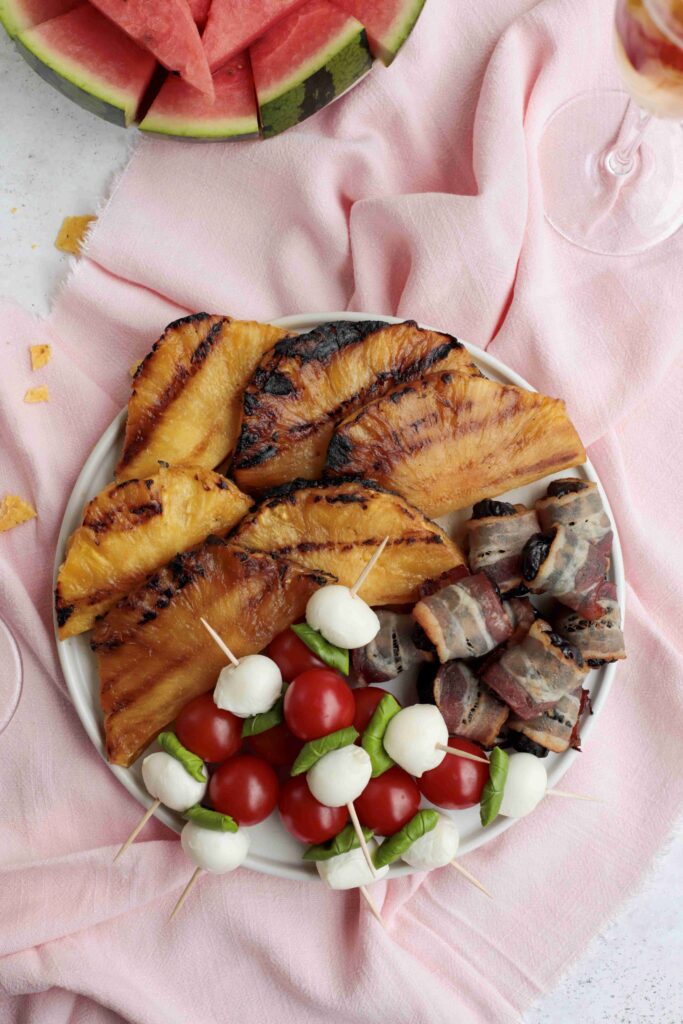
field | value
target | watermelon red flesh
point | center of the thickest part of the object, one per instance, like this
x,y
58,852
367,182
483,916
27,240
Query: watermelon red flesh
x,y
388,23
167,30
17,15
91,61
235,24
182,111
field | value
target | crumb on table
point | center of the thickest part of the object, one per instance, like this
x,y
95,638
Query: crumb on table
x,y
14,511
40,356
72,232
39,394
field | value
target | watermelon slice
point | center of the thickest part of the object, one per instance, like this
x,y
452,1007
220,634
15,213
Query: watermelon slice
x,y
388,23
304,62
168,30
17,15
91,61
235,24
182,111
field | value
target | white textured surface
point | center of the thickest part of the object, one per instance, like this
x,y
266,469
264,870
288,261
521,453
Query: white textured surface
x,y
57,160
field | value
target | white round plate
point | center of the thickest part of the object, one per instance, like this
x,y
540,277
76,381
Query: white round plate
x,y
273,850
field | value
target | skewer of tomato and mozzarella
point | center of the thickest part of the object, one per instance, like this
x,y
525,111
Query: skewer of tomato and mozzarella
x,y
214,843
247,686
517,785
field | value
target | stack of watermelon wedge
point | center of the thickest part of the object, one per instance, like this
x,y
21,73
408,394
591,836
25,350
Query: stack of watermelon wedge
x,y
207,69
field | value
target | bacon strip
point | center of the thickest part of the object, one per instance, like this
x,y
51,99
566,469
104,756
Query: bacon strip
x,y
465,619
577,505
522,615
552,729
467,705
534,675
496,541
392,651
565,565
600,640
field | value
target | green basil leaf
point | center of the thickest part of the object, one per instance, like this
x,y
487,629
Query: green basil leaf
x,y
266,720
335,657
345,841
395,846
207,818
315,749
492,794
192,764
374,734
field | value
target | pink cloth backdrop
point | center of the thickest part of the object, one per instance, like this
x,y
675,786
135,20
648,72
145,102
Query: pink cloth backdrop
x,y
418,195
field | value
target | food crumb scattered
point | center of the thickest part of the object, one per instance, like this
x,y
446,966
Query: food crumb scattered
x,y
39,394
34,245
40,356
13,209
72,232
14,511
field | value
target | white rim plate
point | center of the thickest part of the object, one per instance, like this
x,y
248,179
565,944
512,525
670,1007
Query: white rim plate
x,y
274,851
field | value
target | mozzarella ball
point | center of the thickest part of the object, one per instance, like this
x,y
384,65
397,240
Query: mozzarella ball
x,y
412,736
525,785
166,780
249,688
214,851
435,849
343,618
350,870
340,776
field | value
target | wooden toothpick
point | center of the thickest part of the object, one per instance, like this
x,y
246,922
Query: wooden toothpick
x,y
369,567
138,828
361,838
470,878
221,643
185,893
574,796
372,905
461,753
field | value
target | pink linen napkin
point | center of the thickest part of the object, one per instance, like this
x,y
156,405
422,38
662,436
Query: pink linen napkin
x,y
417,195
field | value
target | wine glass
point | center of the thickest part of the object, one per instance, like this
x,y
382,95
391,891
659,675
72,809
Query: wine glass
x,y
613,178
11,675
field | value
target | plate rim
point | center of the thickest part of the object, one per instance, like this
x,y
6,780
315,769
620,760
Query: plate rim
x,y
72,669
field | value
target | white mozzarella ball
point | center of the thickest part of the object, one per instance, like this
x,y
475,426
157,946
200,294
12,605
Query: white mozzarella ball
x,y
340,776
525,785
166,780
435,849
412,736
249,688
350,870
214,851
343,618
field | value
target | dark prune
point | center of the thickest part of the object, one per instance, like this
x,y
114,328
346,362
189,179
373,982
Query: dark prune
x,y
569,650
489,507
535,552
518,741
558,488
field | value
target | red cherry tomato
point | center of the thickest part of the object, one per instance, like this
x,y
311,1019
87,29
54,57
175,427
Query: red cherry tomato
x,y
278,745
388,802
456,782
318,702
306,818
207,731
366,699
291,655
244,787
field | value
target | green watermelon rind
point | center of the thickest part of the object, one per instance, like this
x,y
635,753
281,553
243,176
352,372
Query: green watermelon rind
x,y
401,32
341,63
220,130
91,93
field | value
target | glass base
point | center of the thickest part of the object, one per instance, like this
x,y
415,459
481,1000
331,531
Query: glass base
x,y
589,204
11,675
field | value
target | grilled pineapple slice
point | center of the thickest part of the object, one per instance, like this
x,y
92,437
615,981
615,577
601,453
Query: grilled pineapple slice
x,y
336,528
309,383
153,652
449,440
131,529
186,403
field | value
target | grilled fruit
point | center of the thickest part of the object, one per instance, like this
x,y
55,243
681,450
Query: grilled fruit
x,y
336,528
153,652
186,403
131,529
450,440
309,383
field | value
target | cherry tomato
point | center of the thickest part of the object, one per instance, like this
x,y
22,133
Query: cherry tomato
x,y
366,699
244,787
456,782
388,802
291,655
278,745
318,702
207,731
306,818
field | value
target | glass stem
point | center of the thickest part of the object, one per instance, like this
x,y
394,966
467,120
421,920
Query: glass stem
x,y
620,158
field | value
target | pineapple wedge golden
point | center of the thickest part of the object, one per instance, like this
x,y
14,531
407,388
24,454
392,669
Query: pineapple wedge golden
x,y
186,403
309,383
336,527
449,440
131,529
153,652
